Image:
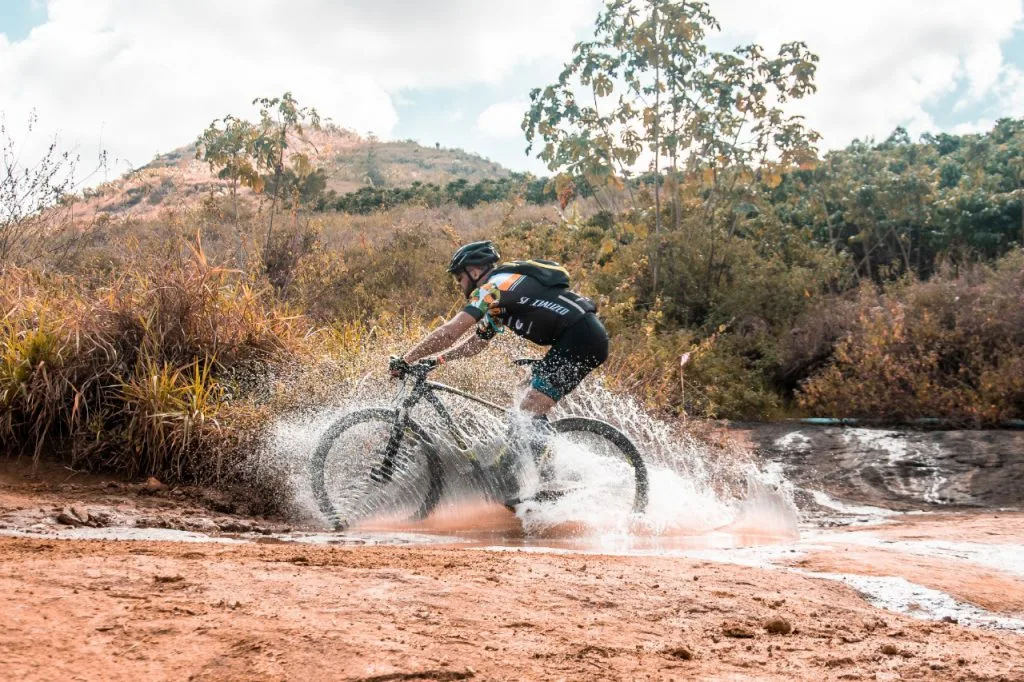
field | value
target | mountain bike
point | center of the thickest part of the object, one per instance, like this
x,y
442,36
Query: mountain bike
x,y
372,457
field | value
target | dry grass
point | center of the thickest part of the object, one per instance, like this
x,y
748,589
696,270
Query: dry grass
x,y
132,374
951,347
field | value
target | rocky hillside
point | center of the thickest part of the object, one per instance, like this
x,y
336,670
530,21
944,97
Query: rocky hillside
x,y
176,180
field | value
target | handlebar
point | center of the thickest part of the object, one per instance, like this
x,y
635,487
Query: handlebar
x,y
418,370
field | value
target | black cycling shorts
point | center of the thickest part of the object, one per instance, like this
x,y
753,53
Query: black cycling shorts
x,y
580,349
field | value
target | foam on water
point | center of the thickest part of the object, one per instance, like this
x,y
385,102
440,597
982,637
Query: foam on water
x,y
901,595
1000,557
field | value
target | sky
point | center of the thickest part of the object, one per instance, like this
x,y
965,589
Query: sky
x,y
141,78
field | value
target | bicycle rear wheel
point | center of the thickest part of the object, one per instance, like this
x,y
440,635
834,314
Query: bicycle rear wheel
x,y
353,478
600,457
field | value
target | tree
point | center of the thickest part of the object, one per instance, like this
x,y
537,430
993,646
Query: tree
x,y
281,117
230,148
648,82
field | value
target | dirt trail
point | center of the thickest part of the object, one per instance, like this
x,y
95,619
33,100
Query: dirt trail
x,y
264,609
129,610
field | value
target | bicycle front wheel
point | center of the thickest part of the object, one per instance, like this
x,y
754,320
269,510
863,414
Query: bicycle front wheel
x,y
599,456
364,467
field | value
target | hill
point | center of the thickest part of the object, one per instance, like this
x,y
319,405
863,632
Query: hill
x,y
178,180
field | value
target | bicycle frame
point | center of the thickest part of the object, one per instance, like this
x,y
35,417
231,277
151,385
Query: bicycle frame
x,y
460,441
425,390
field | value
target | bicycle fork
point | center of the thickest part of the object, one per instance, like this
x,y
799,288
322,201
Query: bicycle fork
x,y
386,470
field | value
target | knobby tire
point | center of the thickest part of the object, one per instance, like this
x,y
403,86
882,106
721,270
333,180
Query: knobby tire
x,y
387,419
625,446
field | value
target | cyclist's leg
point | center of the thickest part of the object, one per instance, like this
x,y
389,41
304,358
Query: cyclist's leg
x,y
522,440
580,350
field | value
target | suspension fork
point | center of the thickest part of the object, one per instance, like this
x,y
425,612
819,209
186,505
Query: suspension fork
x,y
386,470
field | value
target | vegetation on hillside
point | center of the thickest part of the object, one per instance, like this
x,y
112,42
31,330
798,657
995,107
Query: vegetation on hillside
x,y
882,281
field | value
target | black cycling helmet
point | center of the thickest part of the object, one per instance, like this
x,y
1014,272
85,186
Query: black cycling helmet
x,y
475,253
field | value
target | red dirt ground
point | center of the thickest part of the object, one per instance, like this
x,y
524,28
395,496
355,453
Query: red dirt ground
x,y
267,610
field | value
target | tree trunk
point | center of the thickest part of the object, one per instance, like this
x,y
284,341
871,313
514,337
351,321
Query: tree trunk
x,y
657,154
278,172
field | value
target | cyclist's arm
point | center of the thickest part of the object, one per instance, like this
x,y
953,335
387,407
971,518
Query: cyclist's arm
x,y
468,348
441,338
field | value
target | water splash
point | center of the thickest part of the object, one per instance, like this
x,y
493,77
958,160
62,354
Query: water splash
x,y
694,488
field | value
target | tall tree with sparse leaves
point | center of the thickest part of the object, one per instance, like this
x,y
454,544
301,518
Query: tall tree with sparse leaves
x,y
648,89
227,145
281,118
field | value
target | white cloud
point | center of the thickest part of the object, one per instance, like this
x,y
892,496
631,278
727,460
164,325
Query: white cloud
x,y
503,119
150,76
883,62
1009,90
973,127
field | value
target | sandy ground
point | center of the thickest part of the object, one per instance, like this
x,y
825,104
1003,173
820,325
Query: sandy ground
x,y
271,610
88,610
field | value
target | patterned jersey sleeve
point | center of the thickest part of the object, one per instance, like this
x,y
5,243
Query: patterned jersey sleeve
x,y
484,307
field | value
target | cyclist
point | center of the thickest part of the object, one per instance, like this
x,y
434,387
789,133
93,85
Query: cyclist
x,y
532,299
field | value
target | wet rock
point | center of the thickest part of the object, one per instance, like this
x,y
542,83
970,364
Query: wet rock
x,y
81,512
73,516
737,631
234,526
100,518
67,518
778,626
893,467
152,522
201,524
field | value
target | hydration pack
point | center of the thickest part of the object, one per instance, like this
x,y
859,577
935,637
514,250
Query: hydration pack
x,y
547,272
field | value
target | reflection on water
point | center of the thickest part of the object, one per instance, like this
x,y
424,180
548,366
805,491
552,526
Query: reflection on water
x,y
482,524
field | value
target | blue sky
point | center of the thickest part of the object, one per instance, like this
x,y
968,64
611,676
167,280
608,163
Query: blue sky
x,y
17,17
141,78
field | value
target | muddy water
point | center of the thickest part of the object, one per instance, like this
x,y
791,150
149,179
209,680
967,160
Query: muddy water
x,y
911,521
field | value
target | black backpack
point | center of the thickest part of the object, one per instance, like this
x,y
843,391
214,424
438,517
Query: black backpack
x,y
547,272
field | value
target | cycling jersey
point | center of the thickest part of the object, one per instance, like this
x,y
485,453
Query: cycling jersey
x,y
521,303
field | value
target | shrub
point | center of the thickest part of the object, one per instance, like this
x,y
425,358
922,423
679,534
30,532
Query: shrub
x,y
133,374
952,347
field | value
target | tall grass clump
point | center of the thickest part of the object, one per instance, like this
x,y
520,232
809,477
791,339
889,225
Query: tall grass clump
x,y
143,374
